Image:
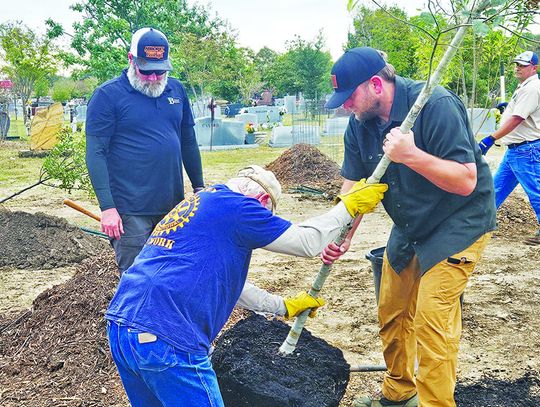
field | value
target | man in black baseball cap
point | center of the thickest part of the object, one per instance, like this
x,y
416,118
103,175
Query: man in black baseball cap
x,y
150,50
355,67
139,138
441,201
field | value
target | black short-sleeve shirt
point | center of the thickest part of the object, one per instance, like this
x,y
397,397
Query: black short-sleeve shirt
x,y
428,221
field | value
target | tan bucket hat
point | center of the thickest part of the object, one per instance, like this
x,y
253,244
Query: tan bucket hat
x,y
265,179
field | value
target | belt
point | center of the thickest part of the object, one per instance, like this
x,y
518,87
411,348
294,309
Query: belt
x,y
514,145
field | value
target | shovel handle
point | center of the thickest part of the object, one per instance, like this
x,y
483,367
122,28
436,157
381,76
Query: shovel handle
x,y
77,207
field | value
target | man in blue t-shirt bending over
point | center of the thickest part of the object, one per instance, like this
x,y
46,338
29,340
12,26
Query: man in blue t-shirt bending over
x,y
176,297
139,135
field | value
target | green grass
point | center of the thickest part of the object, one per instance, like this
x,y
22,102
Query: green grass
x,y
17,128
15,170
223,164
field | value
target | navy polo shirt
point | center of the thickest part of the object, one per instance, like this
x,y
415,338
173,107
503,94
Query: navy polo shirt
x,y
428,221
141,140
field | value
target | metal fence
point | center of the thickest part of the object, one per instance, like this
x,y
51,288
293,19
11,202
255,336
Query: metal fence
x,y
313,124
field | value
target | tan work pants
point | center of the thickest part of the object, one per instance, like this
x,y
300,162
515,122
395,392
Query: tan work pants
x,y
420,317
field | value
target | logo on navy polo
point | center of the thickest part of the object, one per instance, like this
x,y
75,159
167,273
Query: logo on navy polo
x,y
334,82
173,101
154,51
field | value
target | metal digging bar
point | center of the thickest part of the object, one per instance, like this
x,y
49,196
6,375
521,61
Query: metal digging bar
x,y
289,345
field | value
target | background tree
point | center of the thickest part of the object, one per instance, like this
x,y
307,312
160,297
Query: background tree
x,y
381,29
41,88
204,62
263,60
62,90
101,41
83,88
304,67
416,44
29,58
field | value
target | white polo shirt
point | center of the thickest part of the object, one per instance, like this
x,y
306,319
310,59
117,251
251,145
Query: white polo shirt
x,y
525,103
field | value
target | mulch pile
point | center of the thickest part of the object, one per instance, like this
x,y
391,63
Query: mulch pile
x,y
251,372
57,354
496,392
305,165
516,218
39,241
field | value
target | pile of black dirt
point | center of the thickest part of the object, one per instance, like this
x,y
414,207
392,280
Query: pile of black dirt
x,y
39,241
252,373
493,392
57,354
305,165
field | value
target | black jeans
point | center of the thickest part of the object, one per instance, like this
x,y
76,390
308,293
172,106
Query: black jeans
x,y
137,229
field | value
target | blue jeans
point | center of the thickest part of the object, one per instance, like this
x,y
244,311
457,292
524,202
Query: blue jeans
x,y
520,165
158,374
137,230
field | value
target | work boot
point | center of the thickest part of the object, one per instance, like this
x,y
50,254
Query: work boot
x,y
533,241
384,402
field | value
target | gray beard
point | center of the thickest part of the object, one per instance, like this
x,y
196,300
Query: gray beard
x,y
150,89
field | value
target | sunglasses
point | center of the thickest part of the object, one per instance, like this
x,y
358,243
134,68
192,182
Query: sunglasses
x,y
151,71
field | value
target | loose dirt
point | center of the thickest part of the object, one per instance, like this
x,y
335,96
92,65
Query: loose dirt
x,y
251,373
305,165
40,241
57,355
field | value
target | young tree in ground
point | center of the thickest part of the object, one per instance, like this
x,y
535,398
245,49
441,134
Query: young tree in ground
x,y
29,58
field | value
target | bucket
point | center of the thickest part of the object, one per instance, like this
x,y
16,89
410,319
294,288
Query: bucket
x,y
375,256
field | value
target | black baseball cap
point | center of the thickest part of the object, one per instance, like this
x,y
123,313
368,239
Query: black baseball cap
x,y
150,50
354,67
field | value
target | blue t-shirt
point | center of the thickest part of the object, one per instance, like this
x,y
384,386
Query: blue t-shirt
x,y
185,282
142,140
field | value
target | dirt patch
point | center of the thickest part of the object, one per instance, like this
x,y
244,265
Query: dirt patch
x,y
40,241
516,218
305,165
57,354
252,373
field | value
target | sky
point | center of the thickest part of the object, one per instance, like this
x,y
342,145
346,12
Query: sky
x,y
258,23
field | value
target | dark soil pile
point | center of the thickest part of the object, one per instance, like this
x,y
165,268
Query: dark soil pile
x,y
491,392
516,218
57,354
252,373
305,165
39,241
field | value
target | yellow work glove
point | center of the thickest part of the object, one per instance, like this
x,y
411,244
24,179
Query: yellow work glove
x,y
362,197
301,302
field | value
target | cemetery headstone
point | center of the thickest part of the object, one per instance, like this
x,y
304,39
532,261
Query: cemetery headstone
x,y
232,133
206,132
281,136
248,118
290,104
266,114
